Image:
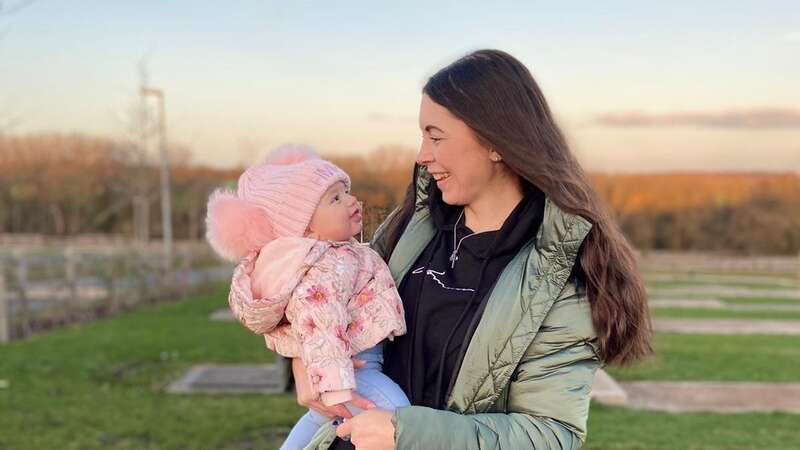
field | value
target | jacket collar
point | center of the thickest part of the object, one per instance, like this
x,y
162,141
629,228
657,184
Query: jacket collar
x,y
510,321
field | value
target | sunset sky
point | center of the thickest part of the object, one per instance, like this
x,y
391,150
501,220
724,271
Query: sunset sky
x,y
680,86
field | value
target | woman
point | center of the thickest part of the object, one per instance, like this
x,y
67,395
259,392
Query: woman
x,y
516,283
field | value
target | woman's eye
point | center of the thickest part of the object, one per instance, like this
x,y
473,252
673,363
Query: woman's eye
x,y
435,140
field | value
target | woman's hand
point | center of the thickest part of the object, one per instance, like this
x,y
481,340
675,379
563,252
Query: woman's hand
x,y
369,430
306,395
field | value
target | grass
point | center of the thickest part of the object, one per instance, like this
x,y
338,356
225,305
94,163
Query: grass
x,y
686,357
100,386
701,313
613,428
753,280
775,300
688,283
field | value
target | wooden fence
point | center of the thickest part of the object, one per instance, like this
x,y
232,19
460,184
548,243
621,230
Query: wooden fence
x,y
44,286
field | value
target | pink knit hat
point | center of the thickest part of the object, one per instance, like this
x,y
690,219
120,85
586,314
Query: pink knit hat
x,y
273,199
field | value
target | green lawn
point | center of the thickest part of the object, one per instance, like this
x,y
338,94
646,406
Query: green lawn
x,y
775,300
701,313
612,428
688,283
100,386
718,358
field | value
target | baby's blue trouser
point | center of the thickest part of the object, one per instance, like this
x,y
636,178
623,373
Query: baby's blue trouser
x,y
371,383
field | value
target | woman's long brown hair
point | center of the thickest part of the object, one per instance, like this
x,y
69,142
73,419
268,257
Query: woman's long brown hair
x,y
497,97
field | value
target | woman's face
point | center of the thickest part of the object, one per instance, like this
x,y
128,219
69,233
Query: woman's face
x,y
452,154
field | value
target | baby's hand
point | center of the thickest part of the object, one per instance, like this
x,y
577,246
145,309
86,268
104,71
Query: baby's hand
x,y
306,397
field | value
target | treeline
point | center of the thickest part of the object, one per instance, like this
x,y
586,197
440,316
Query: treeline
x,y
743,213
65,185
70,184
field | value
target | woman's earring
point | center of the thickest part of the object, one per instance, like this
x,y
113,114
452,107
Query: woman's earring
x,y
496,158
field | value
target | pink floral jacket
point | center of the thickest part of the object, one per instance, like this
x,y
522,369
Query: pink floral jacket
x,y
321,301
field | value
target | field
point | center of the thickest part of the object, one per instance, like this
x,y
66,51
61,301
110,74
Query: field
x,y
101,385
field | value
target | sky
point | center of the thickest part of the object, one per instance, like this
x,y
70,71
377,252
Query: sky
x,y
636,86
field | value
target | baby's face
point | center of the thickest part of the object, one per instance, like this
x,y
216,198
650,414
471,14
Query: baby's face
x,y
337,217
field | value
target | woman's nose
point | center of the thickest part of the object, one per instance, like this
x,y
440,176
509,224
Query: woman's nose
x,y
424,156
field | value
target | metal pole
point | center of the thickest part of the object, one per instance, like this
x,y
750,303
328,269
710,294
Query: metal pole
x,y
141,217
166,207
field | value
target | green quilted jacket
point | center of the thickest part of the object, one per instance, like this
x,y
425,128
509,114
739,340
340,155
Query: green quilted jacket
x,y
526,379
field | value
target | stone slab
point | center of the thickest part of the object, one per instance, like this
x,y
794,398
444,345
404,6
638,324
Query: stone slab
x,y
221,314
729,397
232,379
607,391
728,326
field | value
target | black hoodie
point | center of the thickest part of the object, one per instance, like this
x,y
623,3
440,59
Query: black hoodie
x,y
444,299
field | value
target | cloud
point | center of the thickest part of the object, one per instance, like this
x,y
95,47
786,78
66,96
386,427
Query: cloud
x,y
749,118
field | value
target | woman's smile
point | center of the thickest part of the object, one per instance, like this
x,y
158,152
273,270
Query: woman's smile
x,y
441,178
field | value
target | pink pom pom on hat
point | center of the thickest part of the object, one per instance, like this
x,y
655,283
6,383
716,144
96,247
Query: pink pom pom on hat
x,y
276,198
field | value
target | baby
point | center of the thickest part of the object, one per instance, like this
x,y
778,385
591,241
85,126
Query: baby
x,y
304,282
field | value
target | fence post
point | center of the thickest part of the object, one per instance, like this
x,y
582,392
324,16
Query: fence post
x,y
22,261
4,307
110,273
71,275
185,279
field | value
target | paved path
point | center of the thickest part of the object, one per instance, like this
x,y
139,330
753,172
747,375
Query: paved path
x,y
728,326
713,396
703,303
711,303
723,291
606,390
